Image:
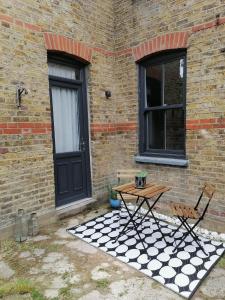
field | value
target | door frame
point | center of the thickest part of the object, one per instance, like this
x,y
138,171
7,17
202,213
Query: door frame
x,y
80,85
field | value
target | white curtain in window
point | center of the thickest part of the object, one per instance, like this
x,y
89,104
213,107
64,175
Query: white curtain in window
x,y
66,119
61,71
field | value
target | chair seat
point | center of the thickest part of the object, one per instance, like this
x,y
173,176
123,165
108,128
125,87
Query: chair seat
x,y
183,210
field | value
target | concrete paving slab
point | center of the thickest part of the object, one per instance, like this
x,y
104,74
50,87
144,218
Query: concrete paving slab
x,y
5,271
214,286
81,247
25,254
39,238
100,272
51,293
63,234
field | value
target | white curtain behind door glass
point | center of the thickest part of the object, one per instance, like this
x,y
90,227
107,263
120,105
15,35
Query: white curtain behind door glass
x,y
66,119
62,71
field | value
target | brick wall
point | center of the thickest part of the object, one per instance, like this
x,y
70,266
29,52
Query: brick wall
x,y
148,27
27,30
113,36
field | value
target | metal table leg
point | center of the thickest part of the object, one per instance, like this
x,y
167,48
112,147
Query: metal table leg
x,y
150,210
131,220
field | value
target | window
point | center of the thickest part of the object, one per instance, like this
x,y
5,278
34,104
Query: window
x,y
65,77
162,105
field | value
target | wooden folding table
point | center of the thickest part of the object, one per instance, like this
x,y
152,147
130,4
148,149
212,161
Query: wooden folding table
x,y
145,195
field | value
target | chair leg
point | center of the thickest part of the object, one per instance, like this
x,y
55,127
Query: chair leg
x,y
188,228
194,235
182,222
183,238
190,231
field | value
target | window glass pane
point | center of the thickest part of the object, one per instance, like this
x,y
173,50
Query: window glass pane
x,y
175,129
154,86
155,130
66,119
174,81
63,71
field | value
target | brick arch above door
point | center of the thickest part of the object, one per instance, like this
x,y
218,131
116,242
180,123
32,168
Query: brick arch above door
x,y
57,42
169,41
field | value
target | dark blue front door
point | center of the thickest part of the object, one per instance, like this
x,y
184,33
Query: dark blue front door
x,y
71,141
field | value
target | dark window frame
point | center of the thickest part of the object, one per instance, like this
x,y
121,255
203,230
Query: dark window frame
x,y
68,61
160,58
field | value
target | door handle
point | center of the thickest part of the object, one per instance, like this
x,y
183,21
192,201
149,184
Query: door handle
x,y
82,145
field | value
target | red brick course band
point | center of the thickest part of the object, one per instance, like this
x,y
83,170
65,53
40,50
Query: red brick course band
x,y
205,124
20,23
29,128
168,41
197,124
25,128
207,25
45,128
113,127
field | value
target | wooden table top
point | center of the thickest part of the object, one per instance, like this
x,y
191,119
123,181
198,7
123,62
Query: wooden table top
x,y
149,191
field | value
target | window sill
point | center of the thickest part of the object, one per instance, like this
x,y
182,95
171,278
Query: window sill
x,y
162,161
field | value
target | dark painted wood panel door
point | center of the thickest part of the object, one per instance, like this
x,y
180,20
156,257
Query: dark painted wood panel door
x,y
71,151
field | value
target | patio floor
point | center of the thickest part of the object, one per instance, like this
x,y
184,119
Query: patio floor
x,y
56,265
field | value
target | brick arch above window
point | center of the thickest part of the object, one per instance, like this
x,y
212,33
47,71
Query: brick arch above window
x,y
169,41
57,42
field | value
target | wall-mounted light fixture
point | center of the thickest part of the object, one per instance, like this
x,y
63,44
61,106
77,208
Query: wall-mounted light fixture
x,y
108,94
20,91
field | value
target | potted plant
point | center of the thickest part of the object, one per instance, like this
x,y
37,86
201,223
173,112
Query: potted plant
x,y
140,179
113,198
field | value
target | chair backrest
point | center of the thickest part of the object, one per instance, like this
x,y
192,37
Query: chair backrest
x,y
208,191
127,174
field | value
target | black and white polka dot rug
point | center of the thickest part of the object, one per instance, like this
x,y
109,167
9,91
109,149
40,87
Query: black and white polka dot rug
x,y
181,271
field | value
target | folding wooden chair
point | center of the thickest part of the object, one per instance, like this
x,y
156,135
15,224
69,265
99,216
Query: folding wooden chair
x,y
125,176
184,212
